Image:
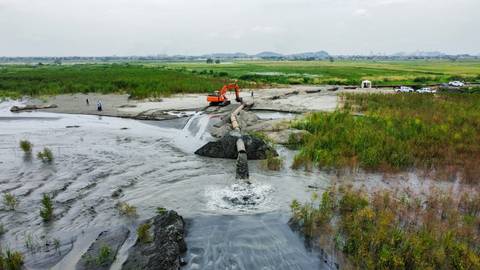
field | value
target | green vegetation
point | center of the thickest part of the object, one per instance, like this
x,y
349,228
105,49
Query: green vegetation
x,y
26,146
161,210
11,260
438,134
104,258
396,230
273,163
163,79
10,201
143,233
47,208
126,209
46,156
342,72
137,80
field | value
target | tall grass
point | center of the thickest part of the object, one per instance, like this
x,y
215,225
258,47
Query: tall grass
x,y
395,230
137,80
438,134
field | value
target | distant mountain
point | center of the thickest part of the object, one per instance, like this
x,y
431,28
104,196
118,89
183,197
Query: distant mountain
x,y
310,55
226,55
269,55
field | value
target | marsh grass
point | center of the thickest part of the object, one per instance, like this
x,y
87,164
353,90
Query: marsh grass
x,y
127,210
11,260
433,133
143,233
46,156
397,230
272,162
104,257
26,147
46,212
10,201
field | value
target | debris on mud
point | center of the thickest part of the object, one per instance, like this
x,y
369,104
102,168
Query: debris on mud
x,y
32,107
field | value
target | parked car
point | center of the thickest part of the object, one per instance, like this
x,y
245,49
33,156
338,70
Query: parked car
x,y
405,89
426,90
456,84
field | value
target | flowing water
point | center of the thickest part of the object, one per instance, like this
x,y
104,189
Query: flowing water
x,y
231,224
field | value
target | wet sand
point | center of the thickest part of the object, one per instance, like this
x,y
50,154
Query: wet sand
x,y
295,99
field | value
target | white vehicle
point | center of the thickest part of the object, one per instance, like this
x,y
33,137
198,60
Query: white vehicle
x,y
405,89
426,90
456,84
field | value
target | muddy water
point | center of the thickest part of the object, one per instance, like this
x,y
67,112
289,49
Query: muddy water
x,y
232,225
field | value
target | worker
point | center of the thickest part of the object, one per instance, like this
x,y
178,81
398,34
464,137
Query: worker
x,y
99,106
87,101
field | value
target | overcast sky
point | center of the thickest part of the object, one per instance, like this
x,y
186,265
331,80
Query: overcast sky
x,y
147,27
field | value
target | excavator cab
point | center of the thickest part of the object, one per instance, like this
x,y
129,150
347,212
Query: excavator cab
x,y
219,98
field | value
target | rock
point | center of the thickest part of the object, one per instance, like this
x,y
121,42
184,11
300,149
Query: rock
x,y
246,119
92,258
283,136
163,252
226,147
32,107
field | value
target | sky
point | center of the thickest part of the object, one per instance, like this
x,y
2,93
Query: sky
x,y
195,27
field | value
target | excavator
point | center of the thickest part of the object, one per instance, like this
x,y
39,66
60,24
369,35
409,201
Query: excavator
x,y
219,98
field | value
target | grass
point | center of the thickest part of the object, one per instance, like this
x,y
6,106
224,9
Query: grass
x,y
46,156
273,163
46,212
11,260
163,79
10,201
26,147
104,257
143,233
342,72
396,230
126,209
433,133
137,80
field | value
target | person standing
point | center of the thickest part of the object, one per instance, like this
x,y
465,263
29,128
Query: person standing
x,y
88,102
99,106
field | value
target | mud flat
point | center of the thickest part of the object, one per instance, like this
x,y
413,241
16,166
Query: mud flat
x,y
295,99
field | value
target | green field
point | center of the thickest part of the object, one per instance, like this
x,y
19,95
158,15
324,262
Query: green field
x,y
439,134
342,72
137,80
149,79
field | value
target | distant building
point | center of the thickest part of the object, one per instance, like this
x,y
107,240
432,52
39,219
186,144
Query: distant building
x,y
366,84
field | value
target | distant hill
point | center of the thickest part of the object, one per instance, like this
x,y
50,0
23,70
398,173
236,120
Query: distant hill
x,y
269,55
226,55
320,55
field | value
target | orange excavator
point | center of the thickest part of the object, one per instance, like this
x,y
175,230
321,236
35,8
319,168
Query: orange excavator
x,y
219,98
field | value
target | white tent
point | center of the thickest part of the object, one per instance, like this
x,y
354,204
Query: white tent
x,y
366,84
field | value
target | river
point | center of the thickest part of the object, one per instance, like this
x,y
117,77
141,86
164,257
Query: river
x,y
231,225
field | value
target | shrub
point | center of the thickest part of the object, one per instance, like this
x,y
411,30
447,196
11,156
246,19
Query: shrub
x,y
46,156
26,146
10,201
11,260
143,233
126,209
46,212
